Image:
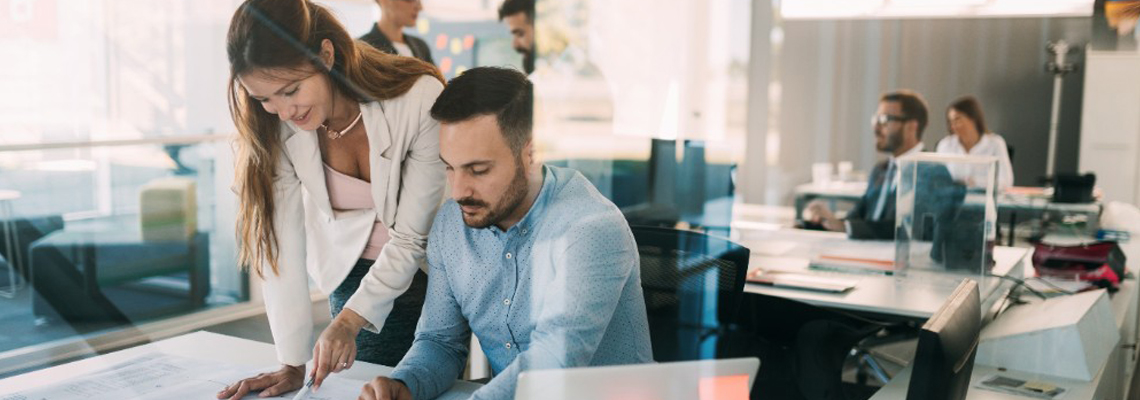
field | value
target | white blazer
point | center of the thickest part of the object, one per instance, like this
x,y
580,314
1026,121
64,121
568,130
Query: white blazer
x,y
408,184
990,144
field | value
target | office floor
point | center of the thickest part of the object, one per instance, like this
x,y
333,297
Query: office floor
x,y
21,328
24,328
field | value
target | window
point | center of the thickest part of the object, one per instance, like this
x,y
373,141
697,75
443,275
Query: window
x,y
115,168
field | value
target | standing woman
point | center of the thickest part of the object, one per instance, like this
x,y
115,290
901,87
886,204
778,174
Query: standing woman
x,y
388,34
339,178
969,136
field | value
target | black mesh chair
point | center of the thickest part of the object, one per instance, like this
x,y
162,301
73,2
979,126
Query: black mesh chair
x,y
693,284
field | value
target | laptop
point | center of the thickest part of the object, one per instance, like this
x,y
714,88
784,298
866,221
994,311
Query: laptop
x,y
729,379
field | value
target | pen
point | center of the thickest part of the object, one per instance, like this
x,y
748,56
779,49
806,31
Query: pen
x,y
304,392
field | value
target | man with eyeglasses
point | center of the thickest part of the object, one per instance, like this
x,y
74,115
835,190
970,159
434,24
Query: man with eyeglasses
x,y
898,126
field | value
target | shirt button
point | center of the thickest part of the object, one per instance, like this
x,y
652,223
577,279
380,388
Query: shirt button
x,y
508,256
507,302
508,345
524,231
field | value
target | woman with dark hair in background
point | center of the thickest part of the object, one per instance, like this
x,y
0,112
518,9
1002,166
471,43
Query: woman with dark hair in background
x,y
388,34
338,178
969,136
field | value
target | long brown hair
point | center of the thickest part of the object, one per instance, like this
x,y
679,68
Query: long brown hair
x,y
287,35
970,107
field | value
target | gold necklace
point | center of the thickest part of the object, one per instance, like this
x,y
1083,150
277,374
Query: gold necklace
x,y
334,134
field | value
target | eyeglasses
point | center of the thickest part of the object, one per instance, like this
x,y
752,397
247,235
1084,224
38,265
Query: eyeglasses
x,y
883,119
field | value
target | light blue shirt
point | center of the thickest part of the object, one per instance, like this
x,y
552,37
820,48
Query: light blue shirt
x,y
560,289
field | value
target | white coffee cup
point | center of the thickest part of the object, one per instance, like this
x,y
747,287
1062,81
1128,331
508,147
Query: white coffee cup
x,y
845,168
821,173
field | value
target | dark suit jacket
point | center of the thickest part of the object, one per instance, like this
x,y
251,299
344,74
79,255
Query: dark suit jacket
x,y
932,178
380,42
859,219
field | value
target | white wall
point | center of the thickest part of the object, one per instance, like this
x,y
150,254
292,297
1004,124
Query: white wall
x,y
1110,127
825,77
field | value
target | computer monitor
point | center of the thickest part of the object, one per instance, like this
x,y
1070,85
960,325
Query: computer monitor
x,y
946,347
724,379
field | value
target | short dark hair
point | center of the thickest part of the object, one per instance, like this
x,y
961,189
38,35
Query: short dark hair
x,y
913,106
969,106
504,92
512,7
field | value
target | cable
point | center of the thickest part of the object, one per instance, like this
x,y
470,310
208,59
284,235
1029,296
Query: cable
x,y
1013,294
1020,283
1051,285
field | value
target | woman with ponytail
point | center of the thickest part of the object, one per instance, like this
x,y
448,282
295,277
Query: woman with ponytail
x,y
338,177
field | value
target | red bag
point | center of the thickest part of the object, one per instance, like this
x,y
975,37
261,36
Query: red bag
x,y
1100,262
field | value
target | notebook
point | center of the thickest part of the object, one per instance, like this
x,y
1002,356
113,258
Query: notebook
x,y
804,281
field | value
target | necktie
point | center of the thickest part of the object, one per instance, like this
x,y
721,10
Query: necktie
x,y
884,191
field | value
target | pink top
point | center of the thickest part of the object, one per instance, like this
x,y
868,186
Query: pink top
x,y
350,193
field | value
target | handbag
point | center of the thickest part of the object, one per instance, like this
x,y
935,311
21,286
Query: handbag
x,y
1101,263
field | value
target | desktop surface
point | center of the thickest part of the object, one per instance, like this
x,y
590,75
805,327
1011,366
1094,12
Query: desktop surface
x,y
791,250
726,379
197,345
1107,384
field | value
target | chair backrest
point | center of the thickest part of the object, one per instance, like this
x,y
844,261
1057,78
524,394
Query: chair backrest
x,y
693,285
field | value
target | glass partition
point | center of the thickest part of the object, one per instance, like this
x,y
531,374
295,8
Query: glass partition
x,y
99,238
115,169
648,100
946,217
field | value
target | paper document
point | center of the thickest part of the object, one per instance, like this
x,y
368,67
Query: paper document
x,y
830,284
1031,389
162,376
332,388
878,256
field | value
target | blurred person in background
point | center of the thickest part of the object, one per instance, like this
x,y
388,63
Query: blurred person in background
x,y
969,136
518,15
388,35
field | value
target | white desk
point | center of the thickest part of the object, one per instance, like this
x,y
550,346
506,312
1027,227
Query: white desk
x,y
1007,201
790,249
200,345
1110,383
1008,204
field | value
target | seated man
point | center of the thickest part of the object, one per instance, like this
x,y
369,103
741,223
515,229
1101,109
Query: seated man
x,y
542,268
898,126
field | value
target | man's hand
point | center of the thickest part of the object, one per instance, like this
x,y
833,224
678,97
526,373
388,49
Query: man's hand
x,y
382,388
822,215
335,350
284,380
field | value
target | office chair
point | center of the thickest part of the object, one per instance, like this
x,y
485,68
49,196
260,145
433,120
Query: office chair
x,y
805,348
692,284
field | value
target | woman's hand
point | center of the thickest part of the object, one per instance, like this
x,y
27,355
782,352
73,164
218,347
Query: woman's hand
x,y
284,380
336,348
